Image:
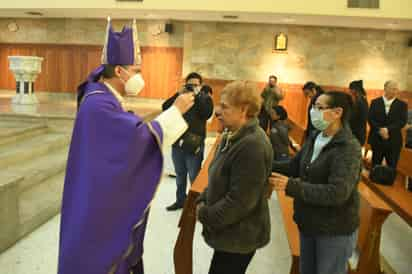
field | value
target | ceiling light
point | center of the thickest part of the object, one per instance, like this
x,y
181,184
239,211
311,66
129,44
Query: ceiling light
x,y
13,27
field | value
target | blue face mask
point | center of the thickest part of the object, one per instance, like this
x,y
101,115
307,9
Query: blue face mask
x,y
316,117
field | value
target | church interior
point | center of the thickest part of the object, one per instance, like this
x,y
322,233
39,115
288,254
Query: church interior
x,y
48,48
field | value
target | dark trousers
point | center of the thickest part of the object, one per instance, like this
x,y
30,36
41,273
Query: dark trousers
x,y
185,163
137,269
230,263
390,153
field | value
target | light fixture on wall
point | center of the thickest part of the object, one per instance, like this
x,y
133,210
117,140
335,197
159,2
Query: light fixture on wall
x,y
12,27
280,42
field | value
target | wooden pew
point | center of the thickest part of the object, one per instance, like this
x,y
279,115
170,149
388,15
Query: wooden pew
x,y
183,251
292,231
373,213
296,133
397,196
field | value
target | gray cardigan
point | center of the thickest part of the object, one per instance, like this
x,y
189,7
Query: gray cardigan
x,y
326,198
236,216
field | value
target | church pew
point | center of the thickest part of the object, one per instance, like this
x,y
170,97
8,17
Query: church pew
x,y
296,132
183,251
292,231
397,196
373,213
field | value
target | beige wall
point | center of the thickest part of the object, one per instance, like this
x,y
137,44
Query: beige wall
x,y
82,31
389,8
330,56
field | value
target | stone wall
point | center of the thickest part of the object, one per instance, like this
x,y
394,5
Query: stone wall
x,y
229,51
330,56
82,32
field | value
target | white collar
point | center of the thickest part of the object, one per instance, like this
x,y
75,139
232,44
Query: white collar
x,y
388,102
116,94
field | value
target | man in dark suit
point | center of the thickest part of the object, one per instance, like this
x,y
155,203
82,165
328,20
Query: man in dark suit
x,y
387,116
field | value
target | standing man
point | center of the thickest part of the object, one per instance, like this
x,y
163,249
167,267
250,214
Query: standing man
x,y
271,96
187,151
114,165
387,116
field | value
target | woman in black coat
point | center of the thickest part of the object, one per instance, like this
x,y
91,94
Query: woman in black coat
x,y
360,110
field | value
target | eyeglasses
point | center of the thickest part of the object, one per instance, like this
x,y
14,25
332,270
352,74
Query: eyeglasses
x,y
318,107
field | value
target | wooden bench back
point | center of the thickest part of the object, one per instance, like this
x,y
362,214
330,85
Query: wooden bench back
x,y
370,202
297,133
405,162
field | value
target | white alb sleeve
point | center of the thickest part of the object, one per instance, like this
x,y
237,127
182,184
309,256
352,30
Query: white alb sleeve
x,y
173,125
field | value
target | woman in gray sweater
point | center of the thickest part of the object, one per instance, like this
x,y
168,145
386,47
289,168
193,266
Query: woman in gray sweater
x,y
233,209
323,182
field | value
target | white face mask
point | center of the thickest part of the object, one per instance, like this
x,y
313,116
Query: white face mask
x,y
134,85
316,117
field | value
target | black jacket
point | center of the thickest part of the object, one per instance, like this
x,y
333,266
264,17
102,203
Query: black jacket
x,y
198,115
394,121
236,215
359,118
279,138
326,198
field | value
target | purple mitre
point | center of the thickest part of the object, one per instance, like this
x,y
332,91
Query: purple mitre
x,y
120,48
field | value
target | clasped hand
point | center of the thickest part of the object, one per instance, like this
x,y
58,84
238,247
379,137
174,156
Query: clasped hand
x,y
278,181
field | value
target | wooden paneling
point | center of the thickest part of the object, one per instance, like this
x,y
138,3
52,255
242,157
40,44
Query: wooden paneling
x,y
65,66
162,71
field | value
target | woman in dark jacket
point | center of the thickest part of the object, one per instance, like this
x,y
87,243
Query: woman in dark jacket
x,y
234,209
359,115
323,182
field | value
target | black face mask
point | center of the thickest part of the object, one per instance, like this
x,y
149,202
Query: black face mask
x,y
271,85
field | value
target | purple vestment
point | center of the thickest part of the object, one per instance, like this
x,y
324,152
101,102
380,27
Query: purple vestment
x,y
113,171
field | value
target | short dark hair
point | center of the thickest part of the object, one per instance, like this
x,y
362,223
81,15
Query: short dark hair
x,y
193,75
312,85
338,99
273,76
281,112
108,71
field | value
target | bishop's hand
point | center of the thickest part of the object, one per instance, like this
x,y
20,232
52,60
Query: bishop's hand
x,y
184,102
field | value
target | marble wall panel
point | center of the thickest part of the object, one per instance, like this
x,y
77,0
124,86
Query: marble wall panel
x,y
229,51
331,56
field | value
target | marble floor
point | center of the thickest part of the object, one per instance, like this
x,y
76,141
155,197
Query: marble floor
x,y
37,253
